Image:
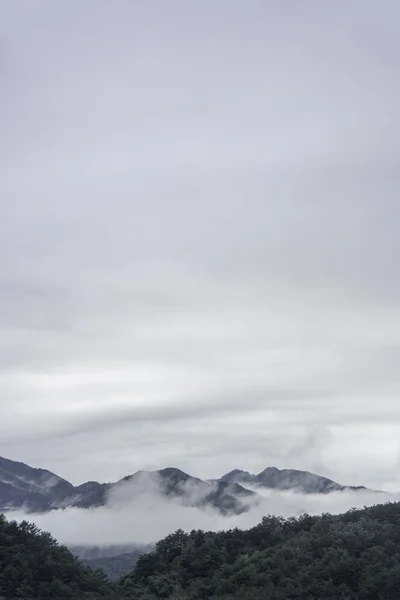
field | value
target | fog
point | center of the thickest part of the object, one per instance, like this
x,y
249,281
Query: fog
x,y
139,514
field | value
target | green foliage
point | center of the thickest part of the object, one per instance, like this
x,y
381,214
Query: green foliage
x,y
355,556
34,567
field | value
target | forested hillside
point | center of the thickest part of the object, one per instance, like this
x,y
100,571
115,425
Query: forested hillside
x,y
34,567
355,556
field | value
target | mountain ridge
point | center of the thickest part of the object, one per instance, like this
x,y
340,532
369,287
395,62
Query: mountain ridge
x,y
31,489
39,490
289,479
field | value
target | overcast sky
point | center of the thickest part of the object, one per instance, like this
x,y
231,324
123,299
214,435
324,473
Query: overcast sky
x,y
199,237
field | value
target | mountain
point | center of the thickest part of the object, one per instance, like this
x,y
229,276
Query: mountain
x,y
21,485
224,496
39,490
287,479
115,566
90,552
114,560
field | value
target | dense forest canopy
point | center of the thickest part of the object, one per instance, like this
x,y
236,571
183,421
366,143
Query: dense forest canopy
x,y
351,556
354,556
33,566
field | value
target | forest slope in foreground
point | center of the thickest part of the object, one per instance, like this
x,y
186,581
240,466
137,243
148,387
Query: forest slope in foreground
x,y
351,556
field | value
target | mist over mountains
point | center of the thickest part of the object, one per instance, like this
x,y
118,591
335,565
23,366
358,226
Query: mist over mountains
x,y
111,524
39,490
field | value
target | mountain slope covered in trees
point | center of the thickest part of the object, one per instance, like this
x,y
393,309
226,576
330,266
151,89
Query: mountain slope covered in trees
x,y
34,567
355,556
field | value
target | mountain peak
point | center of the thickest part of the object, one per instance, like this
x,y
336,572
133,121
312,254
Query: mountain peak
x,y
173,472
39,490
286,479
237,476
270,470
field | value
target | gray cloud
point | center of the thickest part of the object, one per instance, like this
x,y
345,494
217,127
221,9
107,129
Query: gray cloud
x,y
141,514
199,237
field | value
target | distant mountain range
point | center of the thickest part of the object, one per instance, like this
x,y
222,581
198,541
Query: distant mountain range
x,y
39,490
115,566
288,479
115,560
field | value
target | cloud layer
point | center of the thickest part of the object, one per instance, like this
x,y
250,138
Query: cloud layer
x,y
138,513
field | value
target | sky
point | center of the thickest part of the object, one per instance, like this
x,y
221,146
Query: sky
x,y
199,237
